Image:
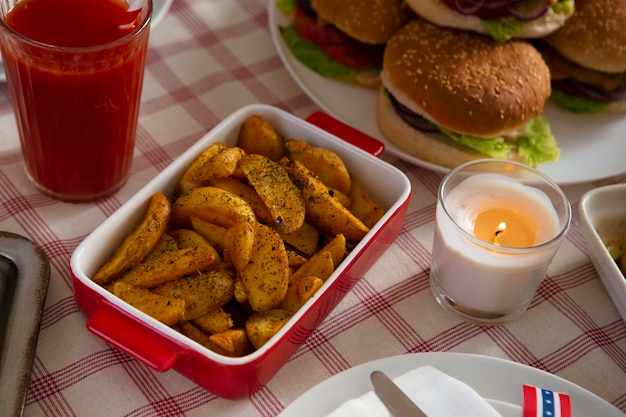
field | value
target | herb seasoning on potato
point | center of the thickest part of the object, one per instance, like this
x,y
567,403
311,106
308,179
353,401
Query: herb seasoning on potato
x,y
248,236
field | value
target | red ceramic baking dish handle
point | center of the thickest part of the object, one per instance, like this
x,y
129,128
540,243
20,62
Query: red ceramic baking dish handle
x,y
132,336
346,132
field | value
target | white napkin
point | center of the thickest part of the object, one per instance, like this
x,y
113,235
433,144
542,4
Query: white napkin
x,y
437,394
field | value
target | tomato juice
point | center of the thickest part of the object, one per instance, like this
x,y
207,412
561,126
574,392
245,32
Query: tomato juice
x,y
75,72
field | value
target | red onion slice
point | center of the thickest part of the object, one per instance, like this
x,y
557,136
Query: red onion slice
x,y
493,9
574,87
468,7
529,9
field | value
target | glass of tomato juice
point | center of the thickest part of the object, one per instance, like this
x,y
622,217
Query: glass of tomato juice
x,y
75,72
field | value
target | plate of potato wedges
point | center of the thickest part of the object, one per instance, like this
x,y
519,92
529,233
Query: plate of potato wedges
x,y
223,264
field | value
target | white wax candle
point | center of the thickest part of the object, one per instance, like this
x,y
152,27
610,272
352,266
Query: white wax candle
x,y
478,275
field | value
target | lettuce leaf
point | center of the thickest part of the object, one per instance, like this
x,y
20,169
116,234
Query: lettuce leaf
x,y
286,6
578,104
494,147
534,142
505,28
310,55
537,144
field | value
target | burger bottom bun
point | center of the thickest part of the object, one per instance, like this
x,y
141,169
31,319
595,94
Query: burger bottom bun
x,y
434,147
440,14
617,107
368,77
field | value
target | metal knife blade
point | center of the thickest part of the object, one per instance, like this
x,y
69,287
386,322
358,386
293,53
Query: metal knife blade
x,y
393,397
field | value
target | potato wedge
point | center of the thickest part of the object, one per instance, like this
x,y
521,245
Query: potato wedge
x,y
362,205
165,244
260,327
291,301
193,177
319,265
280,195
232,342
136,246
169,267
307,287
166,309
211,204
305,239
257,136
187,238
299,293
193,332
337,248
296,260
247,193
213,233
266,277
216,321
223,164
241,295
203,293
343,199
326,164
322,209
239,243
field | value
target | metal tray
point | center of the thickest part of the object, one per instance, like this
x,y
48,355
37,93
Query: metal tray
x,y
24,277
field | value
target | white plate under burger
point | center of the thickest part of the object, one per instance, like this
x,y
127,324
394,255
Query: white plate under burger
x,y
592,146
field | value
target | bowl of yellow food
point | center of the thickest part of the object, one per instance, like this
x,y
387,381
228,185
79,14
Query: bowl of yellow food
x,y
223,264
603,224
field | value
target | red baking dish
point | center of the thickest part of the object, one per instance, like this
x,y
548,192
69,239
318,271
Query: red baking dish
x,y
161,347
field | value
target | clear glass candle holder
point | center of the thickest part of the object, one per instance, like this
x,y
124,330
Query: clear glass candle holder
x,y
498,226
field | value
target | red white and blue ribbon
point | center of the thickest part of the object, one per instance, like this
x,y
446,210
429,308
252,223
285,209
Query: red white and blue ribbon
x,y
539,402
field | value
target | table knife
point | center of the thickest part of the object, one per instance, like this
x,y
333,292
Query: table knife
x,y
393,397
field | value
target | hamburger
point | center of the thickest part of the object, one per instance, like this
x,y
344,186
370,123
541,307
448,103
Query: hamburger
x,y
587,58
449,96
502,19
343,40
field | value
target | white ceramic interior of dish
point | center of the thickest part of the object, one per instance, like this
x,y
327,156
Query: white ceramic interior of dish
x,y
602,218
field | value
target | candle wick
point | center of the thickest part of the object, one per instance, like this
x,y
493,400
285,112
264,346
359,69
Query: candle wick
x,y
499,231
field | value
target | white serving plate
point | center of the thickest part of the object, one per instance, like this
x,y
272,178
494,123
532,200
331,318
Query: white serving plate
x,y
499,381
592,145
603,217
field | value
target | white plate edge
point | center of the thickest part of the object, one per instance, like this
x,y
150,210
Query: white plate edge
x,y
510,375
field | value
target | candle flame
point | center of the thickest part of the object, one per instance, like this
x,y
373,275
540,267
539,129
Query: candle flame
x,y
499,231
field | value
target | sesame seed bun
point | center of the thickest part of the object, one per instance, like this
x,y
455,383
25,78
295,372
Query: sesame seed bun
x,y
595,36
463,81
370,22
437,12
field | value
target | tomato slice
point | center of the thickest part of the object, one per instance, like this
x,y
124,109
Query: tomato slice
x,y
337,44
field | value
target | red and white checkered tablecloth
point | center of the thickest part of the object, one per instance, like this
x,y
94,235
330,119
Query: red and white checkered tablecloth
x,y
208,58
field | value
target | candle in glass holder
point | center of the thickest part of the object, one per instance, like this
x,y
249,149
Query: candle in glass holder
x,y
498,226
